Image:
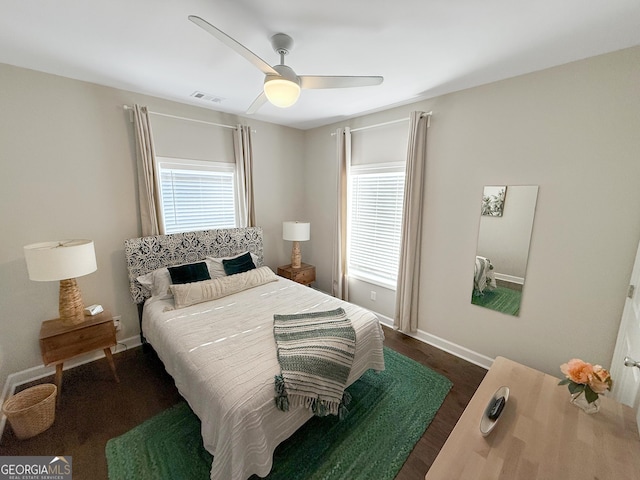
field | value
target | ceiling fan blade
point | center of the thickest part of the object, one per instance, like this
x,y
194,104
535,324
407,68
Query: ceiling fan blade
x,y
257,103
315,81
235,45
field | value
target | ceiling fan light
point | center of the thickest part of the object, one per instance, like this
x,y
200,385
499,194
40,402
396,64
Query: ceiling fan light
x,y
281,92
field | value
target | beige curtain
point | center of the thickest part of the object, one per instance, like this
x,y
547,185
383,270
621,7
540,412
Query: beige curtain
x,y
407,291
150,211
339,287
244,175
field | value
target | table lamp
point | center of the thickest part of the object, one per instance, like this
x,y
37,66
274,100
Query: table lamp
x,y
296,232
63,260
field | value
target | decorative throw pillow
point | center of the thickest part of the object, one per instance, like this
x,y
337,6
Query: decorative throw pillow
x,y
189,273
240,264
216,268
192,293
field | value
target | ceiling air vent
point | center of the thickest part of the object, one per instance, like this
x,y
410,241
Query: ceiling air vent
x,y
207,97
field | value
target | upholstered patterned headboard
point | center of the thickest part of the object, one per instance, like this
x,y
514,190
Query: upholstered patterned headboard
x,y
146,254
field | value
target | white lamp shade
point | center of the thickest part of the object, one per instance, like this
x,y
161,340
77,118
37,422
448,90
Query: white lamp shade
x,y
65,259
296,231
281,92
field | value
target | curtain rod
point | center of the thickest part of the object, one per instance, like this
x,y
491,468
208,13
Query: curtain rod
x,y
391,122
127,107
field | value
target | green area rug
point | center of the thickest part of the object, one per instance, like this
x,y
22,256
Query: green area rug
x,y
389,413
501,299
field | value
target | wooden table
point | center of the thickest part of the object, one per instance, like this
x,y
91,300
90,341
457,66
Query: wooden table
x,y
540,435
60,342
305,275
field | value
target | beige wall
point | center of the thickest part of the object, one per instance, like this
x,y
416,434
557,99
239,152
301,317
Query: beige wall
x,y
67,170
574,131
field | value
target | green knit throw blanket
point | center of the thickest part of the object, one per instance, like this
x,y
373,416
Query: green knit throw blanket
x,y
315,351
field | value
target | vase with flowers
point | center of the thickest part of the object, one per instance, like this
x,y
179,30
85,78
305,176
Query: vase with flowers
x,y
586,383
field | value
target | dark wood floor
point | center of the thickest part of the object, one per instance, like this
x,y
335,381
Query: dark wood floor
x,y
93,408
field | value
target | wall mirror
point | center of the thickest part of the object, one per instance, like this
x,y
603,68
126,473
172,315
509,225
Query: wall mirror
x,y
506,222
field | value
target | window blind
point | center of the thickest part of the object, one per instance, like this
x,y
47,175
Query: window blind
x,y
375,224
195,199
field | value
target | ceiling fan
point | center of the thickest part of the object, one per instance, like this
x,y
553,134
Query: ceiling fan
x,y
281,84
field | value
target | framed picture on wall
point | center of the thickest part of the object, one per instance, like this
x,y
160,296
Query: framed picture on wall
x,y
493,200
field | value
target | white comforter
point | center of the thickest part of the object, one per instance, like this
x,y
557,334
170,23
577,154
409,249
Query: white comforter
x,y
222,356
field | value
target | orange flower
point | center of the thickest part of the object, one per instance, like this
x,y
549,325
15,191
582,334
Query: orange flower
x,y
601,380
582,377
577,371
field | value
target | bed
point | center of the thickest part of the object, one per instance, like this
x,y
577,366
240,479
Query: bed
x,y
222,353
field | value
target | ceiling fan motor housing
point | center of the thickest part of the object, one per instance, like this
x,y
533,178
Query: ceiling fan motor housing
x,y
285,72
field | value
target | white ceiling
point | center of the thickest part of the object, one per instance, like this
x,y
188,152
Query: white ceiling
x,y
423,48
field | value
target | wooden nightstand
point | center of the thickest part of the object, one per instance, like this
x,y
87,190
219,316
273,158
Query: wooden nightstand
x,y
59,342
305,275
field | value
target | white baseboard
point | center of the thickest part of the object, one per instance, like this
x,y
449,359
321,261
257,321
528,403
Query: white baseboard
x,y
509,278
449,347
16,379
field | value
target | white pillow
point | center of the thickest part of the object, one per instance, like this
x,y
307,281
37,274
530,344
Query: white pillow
x,y
216,268
158,281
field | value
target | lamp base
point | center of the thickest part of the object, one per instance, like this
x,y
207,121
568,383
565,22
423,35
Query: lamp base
x,y
70,305
296,255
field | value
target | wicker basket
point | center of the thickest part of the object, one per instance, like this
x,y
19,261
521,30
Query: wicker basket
x,y
32,410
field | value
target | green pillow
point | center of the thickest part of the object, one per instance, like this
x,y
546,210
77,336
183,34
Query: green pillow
x,y
192,272
239,264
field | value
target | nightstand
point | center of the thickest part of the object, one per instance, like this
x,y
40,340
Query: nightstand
x,y
59,342
305,275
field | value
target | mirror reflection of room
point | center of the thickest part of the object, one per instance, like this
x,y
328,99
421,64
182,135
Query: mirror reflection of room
x,y
506,223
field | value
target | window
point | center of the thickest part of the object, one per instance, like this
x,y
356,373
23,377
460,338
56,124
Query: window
x,y
197,195
375,222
